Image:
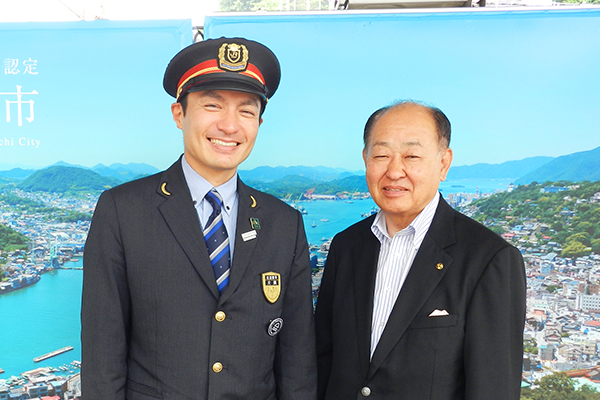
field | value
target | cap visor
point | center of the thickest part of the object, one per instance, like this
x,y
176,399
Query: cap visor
x,y
227,84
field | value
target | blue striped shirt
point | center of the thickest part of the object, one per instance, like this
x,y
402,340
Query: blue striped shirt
x,y
395,259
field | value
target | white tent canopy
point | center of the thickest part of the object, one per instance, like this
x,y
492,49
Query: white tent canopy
x,y
77,10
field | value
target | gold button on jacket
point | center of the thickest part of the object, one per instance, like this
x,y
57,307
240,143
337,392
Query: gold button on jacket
x,y
220,316
217,367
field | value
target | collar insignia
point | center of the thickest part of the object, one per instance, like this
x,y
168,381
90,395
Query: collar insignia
x,y
163,188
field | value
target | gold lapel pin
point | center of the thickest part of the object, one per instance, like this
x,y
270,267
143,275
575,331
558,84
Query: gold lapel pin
x,y
439,266
163,189
253,202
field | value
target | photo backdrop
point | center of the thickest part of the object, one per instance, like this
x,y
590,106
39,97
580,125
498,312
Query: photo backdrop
x,y
516,85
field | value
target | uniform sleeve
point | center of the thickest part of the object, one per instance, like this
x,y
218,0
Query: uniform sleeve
x,y
105,307
295,363
494,330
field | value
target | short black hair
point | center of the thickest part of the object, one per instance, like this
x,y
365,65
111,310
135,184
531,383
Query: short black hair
x,y
183,100
441,121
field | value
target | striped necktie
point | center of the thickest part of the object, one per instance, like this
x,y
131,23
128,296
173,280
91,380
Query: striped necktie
x,y
217,241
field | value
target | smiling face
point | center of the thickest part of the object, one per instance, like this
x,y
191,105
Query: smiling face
x,y
405,163
219,130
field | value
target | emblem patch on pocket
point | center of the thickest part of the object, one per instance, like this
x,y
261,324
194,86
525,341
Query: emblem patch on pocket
x,y
271,283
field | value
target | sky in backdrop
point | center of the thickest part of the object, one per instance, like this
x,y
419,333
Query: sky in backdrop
x,y
514,84
88,92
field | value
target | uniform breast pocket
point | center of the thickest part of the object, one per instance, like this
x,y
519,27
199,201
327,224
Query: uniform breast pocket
x,y
426,322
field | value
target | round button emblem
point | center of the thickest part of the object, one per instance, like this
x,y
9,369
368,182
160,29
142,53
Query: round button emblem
x,y
275,326
220,316
366,391
217,367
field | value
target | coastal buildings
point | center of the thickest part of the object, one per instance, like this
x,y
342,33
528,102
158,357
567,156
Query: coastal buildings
x,y
41,383
52,241
21,277
562,331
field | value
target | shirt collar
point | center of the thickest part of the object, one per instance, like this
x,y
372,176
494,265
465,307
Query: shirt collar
x,y
199,186
419,226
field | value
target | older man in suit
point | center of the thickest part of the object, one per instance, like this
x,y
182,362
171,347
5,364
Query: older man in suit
x,y
418,302
197,286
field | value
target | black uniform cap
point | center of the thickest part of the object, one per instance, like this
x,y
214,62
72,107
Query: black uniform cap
x,y
223,64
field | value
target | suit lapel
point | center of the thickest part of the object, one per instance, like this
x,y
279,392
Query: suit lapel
x,y
248,207
422,279
181,216
365,269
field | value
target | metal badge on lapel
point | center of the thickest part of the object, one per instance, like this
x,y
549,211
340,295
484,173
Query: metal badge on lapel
x,y
275,326
254,223
271,283
163,188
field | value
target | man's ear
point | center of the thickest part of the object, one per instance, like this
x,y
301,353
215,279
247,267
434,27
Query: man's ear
x,y
177,111
446,161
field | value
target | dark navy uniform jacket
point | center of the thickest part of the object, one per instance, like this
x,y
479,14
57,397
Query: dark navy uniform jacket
x,y
153,323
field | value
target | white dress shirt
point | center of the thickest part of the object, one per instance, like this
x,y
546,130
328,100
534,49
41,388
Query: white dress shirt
x,y
396,256
199,187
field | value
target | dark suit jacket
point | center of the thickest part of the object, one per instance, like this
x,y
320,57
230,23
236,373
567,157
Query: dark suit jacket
x,y
474,353
149,323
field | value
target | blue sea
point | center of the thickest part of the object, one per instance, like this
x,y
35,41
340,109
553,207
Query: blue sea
x,y
45,316
325,218
39,319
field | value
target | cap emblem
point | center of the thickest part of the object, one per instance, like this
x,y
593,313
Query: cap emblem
x,y
233,57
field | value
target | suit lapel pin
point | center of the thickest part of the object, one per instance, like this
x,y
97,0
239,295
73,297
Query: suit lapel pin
x,y
163,188
253,202
254,223
439,266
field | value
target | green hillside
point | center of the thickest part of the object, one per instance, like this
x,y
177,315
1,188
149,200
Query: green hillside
x,y
565,213
11,240
60,179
